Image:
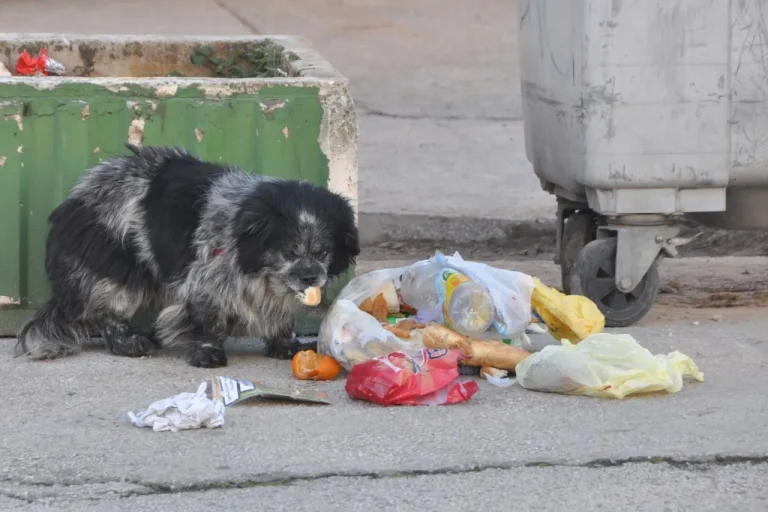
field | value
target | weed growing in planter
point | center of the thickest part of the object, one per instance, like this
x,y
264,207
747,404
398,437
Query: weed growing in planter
x,y
257,60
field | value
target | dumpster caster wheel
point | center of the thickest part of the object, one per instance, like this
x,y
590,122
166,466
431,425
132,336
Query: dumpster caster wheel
x,y
593,276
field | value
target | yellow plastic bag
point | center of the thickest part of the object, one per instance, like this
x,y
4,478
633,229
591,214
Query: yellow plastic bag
x,y
604,365
572,317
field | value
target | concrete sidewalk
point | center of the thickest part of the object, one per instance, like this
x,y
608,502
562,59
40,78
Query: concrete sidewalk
x,y
67,443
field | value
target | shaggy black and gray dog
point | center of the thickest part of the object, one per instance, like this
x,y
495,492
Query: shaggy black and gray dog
x,y
220,252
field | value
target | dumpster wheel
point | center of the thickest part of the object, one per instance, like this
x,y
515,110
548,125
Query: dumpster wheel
x,y
594,276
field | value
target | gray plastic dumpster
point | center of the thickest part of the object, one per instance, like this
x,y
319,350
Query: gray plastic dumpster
x,y
637,113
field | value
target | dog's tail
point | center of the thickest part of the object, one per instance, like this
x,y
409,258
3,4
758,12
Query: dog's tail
x,y
49,334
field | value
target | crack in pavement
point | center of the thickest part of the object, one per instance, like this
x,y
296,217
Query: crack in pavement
x,y
14,497
240,18
368,111
139,488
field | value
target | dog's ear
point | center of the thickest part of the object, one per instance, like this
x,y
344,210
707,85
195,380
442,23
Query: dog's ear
x,y
345,251
254,226
352,242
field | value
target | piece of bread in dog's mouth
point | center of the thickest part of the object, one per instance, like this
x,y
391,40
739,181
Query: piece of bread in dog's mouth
x,y
311,296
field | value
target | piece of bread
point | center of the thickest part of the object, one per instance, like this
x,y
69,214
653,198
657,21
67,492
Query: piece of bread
x,y
400,333
366,306
480,352
389,292
496,354
312,296
380,310
437,336
404,328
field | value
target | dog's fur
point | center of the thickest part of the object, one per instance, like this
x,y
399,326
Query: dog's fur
x,y
220,252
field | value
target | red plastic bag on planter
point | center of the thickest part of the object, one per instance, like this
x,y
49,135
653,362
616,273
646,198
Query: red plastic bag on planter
x,y
419,377
28,65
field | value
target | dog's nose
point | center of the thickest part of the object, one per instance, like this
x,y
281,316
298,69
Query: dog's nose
x,y
308,279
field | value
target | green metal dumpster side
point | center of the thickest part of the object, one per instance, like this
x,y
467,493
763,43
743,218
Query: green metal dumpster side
x,y
53,128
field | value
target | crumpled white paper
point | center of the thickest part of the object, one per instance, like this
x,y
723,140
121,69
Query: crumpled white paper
x,y
182,412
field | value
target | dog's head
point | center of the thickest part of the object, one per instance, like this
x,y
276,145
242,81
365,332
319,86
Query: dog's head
x,y
298,233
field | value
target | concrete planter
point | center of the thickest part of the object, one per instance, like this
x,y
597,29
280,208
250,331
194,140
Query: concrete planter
x,y
300,125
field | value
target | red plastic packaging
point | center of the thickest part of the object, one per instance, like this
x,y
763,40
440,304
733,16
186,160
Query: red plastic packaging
x,y
28,65
420,377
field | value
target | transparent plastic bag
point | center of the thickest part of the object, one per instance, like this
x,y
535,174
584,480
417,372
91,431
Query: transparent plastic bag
x,y
605,365
511,292
352,336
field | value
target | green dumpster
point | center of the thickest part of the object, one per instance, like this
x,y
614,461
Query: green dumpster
x,y
279,109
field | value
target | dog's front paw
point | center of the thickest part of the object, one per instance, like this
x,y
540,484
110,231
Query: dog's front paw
x,y
208,357
133,345
286,349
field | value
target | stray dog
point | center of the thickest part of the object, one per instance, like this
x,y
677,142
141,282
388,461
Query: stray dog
x,y
219,252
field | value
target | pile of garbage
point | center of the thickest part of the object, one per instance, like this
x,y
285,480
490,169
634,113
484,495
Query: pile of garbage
x,y
419,328
412,335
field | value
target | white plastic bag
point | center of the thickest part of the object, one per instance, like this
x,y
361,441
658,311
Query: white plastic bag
x,y
604,365
351,336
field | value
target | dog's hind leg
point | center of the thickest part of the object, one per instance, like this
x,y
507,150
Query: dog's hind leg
x,y
121,339
112,306
199,333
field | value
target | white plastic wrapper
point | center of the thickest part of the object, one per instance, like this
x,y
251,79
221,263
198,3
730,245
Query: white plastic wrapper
x,y
184,411
351,336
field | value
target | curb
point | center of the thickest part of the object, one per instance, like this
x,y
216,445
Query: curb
x,y
525,237
378,228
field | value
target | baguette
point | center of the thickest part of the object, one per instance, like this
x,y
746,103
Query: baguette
x,y
479,352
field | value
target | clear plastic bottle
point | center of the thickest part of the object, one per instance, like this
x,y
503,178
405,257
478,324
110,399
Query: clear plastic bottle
x,y
467,306
417,287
